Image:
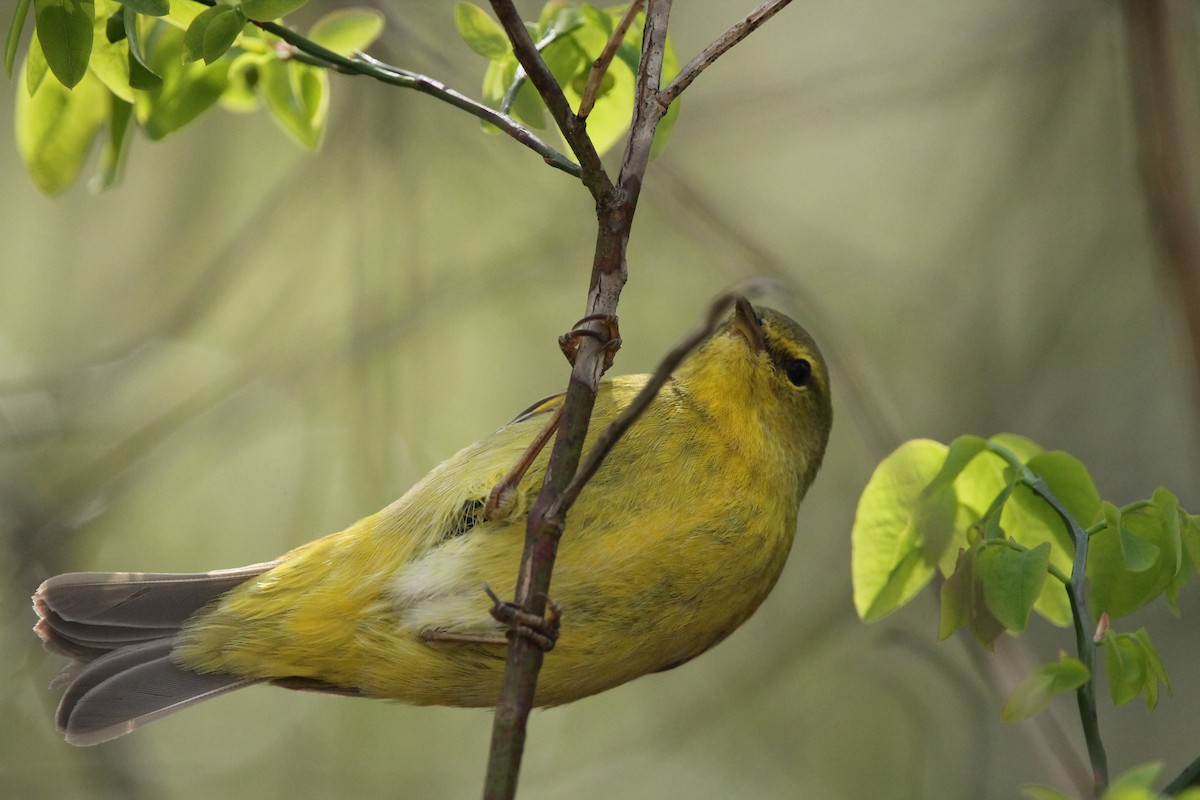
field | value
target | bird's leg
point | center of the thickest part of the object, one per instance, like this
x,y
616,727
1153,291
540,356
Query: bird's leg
x,y
609,337
542,631
500,499
434,635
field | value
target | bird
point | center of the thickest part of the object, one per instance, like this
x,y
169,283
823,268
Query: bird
x,y
673,543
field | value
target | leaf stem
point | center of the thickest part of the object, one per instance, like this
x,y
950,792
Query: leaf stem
x,y
1189,777
1076,587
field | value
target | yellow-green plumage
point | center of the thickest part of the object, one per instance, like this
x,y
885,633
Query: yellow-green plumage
x,y
673,544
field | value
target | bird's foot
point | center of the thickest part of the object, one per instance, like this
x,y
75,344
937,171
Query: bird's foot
x,y
609,337
542,631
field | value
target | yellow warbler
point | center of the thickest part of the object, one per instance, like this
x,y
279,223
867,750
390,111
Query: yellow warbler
x,y
673,544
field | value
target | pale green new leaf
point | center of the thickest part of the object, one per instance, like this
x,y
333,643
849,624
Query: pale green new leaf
x,y
212,33
267,10
887,561
482,34
64,28
56,127
112,155
1012,580
347,30
151,8
187,90
36,67
1168,507
297,96
1035,693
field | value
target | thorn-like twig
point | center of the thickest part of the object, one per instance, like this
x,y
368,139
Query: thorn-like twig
x,y
719,47
600,65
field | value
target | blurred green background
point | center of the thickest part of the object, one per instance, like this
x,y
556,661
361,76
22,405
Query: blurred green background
x,y
246,346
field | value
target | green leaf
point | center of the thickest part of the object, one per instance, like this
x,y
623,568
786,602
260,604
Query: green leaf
x,y
242,94
888,563
64,28
1138,554
1012,580
1124,666
1189,530
20,13
112,156
110,61
962,601
187,90
56,127
1140,777
297,96
957,596
481,33
347,30
140,74
267,10
212,33
1034,694
1156,673
1168,508
151,8
36,67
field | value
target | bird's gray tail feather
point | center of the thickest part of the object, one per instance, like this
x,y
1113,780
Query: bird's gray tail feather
x,y
119,628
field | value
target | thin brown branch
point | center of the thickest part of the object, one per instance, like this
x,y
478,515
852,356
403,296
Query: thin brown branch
x,y
718,48
1165,171
647,109
615,206
601,64
573,129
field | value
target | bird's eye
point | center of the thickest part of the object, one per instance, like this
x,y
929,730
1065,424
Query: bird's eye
x,y
799,371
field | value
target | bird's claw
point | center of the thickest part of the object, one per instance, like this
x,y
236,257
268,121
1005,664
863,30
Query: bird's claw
x,y
609,337
542,631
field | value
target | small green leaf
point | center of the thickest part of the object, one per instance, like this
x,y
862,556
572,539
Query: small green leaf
x,y
267,10
957,596
1125,665
888,563
1156,673
140,74
297,96
36,67
1189,530
112,156
1034,693
1140,777
347,30
1168,508
151,8
64,28
56,127
20,13
962,601
186,91
481,33
212,33
1012,580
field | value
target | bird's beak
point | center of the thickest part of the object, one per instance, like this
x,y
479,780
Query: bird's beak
x,y
747,325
